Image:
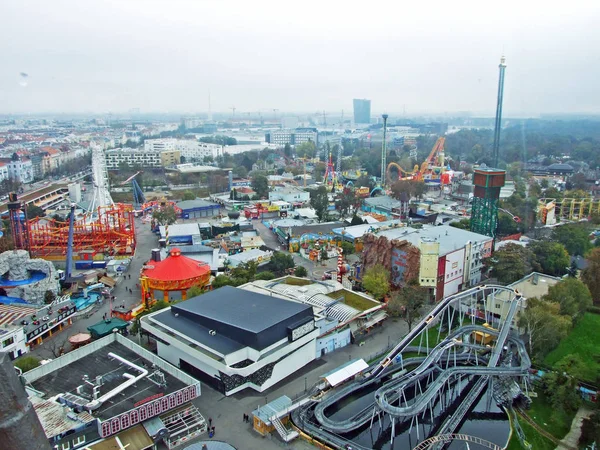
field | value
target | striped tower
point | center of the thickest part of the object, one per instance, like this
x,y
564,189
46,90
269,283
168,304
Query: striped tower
x,y
167,235
340,263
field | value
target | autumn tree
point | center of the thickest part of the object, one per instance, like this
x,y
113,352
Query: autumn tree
x,y
572,295
591,274
552,257
543,326
511,263
376,280
408,303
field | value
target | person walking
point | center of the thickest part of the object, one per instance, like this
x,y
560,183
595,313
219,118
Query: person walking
x,y
209,422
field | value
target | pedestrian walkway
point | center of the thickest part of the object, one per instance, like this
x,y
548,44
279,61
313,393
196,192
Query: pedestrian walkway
x,y
571,440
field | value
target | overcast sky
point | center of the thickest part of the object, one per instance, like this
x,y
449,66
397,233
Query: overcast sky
x,y
425,56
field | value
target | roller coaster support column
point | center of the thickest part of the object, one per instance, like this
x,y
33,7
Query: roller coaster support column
x,y
69,262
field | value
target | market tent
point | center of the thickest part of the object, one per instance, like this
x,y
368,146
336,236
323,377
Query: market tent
x,y
106,327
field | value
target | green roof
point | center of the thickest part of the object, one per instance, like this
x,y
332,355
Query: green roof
x,y
106,327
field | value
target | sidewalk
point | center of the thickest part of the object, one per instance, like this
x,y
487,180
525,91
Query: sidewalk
x,y
571,440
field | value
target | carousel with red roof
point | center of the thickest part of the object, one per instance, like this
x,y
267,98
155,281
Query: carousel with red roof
x,y
175,273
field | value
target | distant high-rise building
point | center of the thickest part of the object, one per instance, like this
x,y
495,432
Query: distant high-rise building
x,y
362,110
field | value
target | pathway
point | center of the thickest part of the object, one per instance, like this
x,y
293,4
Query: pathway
x,y
571,440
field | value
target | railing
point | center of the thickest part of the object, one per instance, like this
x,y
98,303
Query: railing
x,y
286,435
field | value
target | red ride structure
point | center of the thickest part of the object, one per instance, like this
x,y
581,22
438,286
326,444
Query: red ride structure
x,y
111,231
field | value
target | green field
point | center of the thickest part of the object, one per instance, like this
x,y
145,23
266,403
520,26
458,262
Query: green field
x,y
537,441
433,338
584,340
554,422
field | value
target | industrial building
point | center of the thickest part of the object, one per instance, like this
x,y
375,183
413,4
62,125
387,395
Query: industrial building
x,y
289,194
190,149
198,208
104,388
131,157
234,339
443,258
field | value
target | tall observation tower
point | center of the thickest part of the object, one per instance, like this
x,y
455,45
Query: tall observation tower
x,y
487,181
384,150
498,123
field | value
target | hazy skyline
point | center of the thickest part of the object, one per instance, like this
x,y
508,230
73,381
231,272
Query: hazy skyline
x,y
431,57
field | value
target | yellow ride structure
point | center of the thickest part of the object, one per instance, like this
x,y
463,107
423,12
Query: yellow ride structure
x,y
551,211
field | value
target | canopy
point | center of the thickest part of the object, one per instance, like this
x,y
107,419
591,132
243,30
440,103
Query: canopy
x,y
346,371
176,268
177,272
106,327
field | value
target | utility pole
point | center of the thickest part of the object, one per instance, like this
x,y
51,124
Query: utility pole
x,y
384,150
498,123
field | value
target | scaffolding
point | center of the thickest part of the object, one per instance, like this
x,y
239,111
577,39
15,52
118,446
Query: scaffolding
x,y
111,232
183,424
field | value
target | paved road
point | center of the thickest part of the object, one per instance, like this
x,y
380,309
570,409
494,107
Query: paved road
x,y
146,240
227,412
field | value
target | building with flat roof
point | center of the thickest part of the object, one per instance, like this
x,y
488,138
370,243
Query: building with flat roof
x,y
198,208
443,258
234,339
103,388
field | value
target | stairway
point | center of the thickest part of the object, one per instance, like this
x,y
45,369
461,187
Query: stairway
x,y
286,435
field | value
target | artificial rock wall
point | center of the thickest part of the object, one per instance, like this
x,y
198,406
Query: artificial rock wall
x,y
16,265
399,256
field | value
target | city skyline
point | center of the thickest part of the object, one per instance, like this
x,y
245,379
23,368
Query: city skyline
x,y
114,57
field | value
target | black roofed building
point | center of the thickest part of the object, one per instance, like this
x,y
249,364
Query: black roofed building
x,y
235,339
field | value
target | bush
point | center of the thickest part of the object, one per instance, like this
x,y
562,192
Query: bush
x,y
301,272
27,363
347,248
594,309
266,275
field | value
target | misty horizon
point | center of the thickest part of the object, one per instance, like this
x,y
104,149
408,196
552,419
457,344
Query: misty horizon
x,y
409,60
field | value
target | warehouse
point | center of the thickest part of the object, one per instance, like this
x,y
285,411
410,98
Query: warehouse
x,y
234,339
195,209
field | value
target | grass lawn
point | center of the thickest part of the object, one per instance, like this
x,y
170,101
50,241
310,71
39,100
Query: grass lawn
x,y
552,421
354,300
433,338
537,441
584,340
297,281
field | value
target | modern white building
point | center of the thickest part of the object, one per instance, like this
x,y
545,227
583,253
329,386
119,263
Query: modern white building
x,y
190,149
289,194
3,172
234,339
131,157
292,137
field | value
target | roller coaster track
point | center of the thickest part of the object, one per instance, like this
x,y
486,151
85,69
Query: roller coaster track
x,y
447,438
427,365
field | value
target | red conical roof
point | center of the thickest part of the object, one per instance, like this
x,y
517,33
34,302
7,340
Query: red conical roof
x,y
176,268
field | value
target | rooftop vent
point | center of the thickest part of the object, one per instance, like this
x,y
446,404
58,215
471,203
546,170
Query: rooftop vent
x,y
212,332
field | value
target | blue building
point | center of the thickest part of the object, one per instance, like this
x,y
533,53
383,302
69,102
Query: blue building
x,y
198,208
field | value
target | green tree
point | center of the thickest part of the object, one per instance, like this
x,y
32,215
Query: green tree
x,y
356,220
306,150
160,304
320,202
463,224
561,384
408,303
301,272
34,211
376,280
266,275
260,185
221,280
195,291
543,326
165,216
280,262
572,295
575,238
552,257
287,150
240,172
347,203
403,190
591,274
347,248
188,195
511,263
